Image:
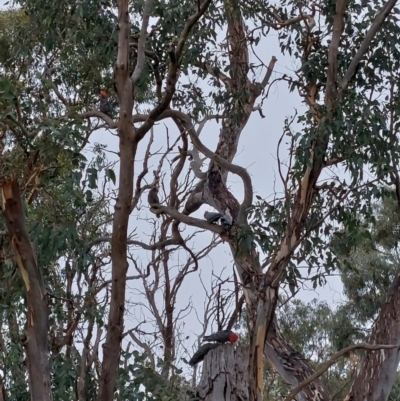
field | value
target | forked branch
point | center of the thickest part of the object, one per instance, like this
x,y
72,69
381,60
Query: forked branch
x,y
332,361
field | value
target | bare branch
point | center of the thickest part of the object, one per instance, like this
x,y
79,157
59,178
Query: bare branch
x,y
379,20
95,113
144,346
232,168
236,312
47,75
157,245
141,58
268,74
208,118
190,221
332,361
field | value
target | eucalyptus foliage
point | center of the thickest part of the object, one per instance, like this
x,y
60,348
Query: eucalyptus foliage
x,y
54,58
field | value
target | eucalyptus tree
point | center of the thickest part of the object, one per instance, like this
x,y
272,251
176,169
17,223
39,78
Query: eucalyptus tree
x,y
346,55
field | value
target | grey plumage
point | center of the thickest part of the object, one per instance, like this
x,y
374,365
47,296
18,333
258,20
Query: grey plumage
x,y
105,106
211,217
153,199
221,336
200,354
226,221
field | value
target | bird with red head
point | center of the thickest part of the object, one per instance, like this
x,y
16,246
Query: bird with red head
x,y
222,337
105,106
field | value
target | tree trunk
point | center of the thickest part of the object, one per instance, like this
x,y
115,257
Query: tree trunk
x,y
378,369
123,205
225,374
36,342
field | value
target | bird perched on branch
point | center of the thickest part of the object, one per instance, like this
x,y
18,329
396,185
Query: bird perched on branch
x,y
153,198
226,221
200,354
222,337
105,106
213,218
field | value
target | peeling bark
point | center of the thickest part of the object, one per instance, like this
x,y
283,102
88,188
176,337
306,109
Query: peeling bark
x,y
225,375
292,366
36,340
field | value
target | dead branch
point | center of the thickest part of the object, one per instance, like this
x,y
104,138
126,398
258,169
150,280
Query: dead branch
x,y
145,169
148,247
190,221
268,74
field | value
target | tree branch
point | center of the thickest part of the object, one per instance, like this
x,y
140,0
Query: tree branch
x,y
172,74
268,74
144,346
331,78
232,168
334,161
284,23
47,75
190,221
95,113
379,20
157,245
141,58
331,362
213,72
